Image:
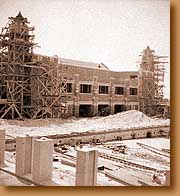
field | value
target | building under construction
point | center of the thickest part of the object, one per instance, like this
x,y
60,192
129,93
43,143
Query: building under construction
x,y
38,86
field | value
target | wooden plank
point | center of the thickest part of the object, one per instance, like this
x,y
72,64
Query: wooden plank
x,y
3,101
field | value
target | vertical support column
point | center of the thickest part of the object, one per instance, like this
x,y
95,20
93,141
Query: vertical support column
x,y
86,167
76,108
23,155
112,92
95,109
140,90
76,97
126,96
42,161
2,147
95,96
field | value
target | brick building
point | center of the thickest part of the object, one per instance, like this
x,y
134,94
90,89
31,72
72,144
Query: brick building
x,y
38,86
92,89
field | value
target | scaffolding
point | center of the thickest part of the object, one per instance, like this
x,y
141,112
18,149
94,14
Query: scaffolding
x,y
159,72
151,81
49,87
29,88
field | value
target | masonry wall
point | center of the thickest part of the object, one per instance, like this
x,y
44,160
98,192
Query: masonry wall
x,y
94,77
97,76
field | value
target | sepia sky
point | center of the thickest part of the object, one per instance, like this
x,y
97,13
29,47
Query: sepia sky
x,y
110,31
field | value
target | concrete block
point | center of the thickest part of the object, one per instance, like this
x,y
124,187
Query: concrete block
x,y
86,167
2,147
23,155
168,182
42,160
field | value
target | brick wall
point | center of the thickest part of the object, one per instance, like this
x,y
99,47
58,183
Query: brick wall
x,y
94,77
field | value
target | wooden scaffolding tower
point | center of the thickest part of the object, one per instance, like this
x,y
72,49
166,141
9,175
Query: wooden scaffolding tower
x,y
49,90
159,73
28,88
151,81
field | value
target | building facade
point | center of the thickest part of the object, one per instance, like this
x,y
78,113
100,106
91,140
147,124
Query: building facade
x,y
38,86
92,89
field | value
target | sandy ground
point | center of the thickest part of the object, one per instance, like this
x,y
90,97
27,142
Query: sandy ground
x,y
64,175
123,120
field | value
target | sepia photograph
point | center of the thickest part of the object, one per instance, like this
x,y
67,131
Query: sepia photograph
x,y
85,93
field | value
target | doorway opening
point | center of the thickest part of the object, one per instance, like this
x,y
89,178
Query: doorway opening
x,y
119,108
85,110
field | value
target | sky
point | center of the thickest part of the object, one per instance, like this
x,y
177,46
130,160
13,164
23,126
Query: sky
x,y
113,32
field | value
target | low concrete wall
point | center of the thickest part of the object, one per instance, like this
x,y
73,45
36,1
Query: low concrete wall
x,y
104,136
111,135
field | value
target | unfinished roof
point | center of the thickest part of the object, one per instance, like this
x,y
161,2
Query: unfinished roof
x,y
19,18
20,15
78,63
